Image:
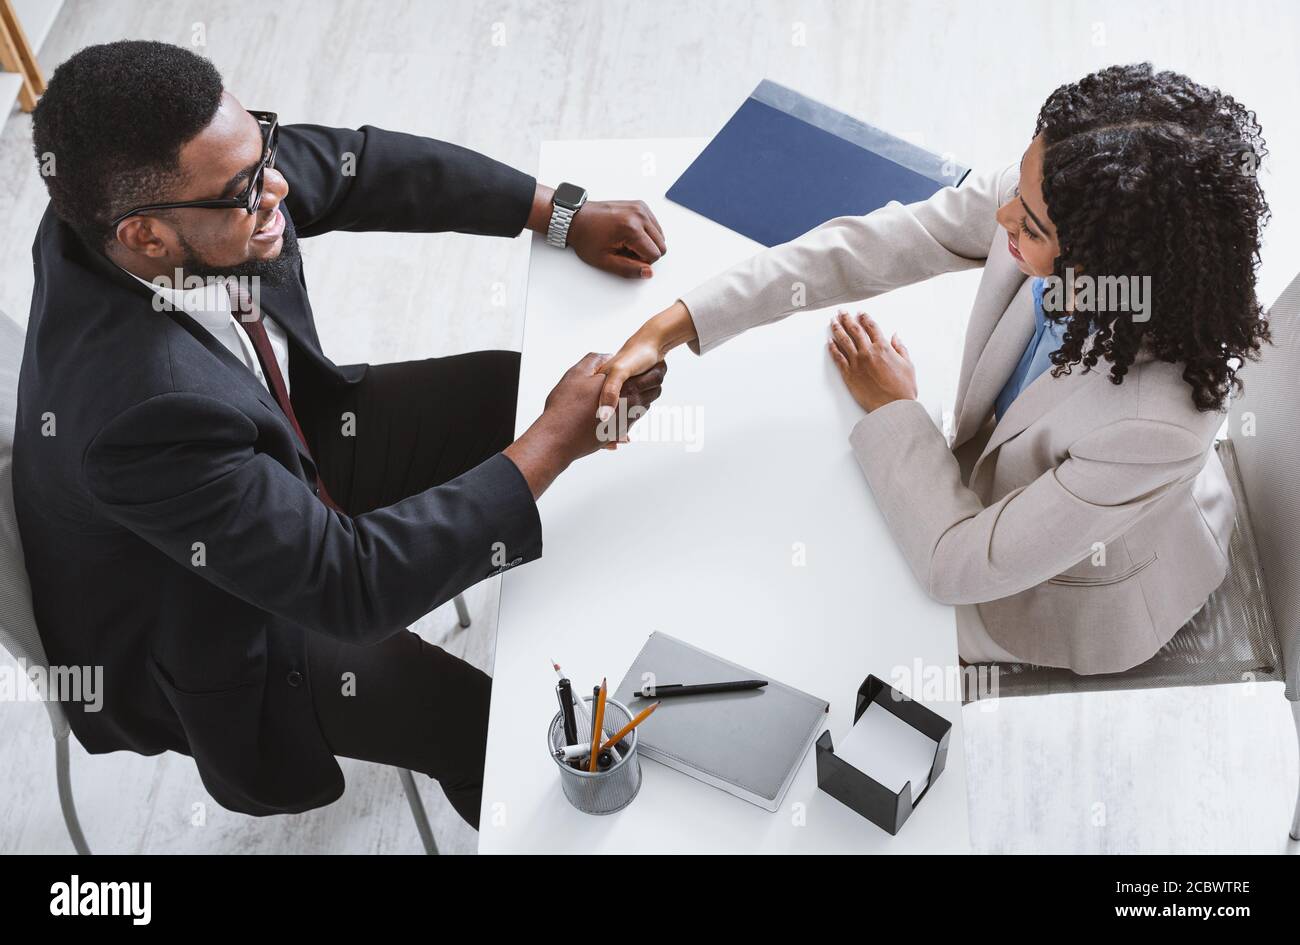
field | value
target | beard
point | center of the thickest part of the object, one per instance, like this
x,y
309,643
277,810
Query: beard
x,y
277,272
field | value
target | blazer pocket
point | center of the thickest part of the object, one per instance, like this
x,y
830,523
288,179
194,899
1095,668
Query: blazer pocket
x,y
1076,580
238,663
227,736
164,679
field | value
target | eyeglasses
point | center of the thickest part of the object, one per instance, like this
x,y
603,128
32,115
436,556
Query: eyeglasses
x,y
251,197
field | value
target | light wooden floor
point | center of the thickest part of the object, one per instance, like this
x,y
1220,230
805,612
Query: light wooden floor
x,y
1137,772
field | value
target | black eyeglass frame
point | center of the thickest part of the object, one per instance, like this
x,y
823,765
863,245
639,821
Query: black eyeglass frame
x,y
249,199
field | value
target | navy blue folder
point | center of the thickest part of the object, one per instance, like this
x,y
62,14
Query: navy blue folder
x,y
785,164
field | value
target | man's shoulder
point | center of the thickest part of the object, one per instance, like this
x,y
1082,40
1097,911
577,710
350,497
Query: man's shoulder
x,y
95,354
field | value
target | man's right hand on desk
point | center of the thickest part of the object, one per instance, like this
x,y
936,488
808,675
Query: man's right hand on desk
x,y
568,429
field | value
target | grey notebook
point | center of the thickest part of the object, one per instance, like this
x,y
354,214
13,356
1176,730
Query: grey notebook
x,y
749,744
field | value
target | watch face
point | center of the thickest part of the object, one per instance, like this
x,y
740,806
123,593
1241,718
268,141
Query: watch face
x,y
570,196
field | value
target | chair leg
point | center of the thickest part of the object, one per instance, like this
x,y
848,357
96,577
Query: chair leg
x,y
63,775
418,812
1295,821
462,611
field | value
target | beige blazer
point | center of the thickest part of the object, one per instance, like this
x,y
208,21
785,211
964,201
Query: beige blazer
x,y
1086,526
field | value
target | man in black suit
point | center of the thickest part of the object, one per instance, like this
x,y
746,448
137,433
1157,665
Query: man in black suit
x,y
238,530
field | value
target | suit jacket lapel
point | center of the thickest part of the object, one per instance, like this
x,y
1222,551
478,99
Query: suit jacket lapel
x,y
995,362
1045,394
1001,324
242,376
290,307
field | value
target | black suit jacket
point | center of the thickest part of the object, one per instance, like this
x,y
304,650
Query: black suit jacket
x,y
167,511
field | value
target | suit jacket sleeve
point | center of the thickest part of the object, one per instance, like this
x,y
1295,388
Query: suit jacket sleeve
x,y
371,179
180,468
965,553
853,258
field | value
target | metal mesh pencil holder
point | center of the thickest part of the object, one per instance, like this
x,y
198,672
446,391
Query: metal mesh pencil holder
x,y
607,790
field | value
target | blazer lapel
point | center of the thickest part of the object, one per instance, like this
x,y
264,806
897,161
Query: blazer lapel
x,y
1044,394
1001,324
290,307
995,362
242,376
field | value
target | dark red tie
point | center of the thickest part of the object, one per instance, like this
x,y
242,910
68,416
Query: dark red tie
x,y
250,319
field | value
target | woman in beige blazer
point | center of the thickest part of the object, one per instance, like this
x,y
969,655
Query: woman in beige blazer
x,y
1080,516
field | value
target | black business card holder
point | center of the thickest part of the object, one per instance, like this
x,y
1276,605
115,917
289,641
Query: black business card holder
x,y
855,789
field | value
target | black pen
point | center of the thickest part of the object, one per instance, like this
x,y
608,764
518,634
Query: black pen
x,y
680,689
564,690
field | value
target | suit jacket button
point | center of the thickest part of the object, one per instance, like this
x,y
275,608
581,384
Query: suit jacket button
x,y
294,678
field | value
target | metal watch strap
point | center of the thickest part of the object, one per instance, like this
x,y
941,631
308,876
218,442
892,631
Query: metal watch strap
x,y
557,233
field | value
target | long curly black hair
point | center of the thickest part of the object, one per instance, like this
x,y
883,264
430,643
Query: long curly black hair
x,y
1150,174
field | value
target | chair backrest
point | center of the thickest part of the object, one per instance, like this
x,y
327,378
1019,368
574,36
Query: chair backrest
x,y
1264,426
17,623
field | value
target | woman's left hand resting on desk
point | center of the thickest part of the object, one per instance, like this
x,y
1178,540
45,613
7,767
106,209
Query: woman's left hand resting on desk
x,y
876,370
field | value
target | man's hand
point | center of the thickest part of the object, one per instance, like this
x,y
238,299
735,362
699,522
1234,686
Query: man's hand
x,y
567,428
877,371
618,236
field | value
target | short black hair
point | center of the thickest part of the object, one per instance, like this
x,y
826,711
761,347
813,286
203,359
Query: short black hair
x,y
109,129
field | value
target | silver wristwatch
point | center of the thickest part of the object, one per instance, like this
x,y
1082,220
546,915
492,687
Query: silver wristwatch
x,y
566,203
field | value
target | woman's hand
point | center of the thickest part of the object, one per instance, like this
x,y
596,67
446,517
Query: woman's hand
x,y
648,346
876,371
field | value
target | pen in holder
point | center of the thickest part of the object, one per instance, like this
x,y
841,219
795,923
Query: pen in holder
x,y
608,789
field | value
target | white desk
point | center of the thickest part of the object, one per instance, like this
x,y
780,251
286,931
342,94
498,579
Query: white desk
x,y
701,544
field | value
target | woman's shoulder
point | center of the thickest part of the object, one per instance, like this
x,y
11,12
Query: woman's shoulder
x,y
1156,392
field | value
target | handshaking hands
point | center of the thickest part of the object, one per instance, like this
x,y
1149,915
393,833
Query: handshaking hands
x,y
582,412
648,346
568,428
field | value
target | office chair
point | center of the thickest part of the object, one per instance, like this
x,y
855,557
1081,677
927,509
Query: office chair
x,y
18,632
1249,629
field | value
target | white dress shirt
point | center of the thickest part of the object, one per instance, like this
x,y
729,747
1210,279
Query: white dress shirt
x,y
209,305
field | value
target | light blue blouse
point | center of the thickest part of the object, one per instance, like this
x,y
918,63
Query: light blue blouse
x,y
1048,336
